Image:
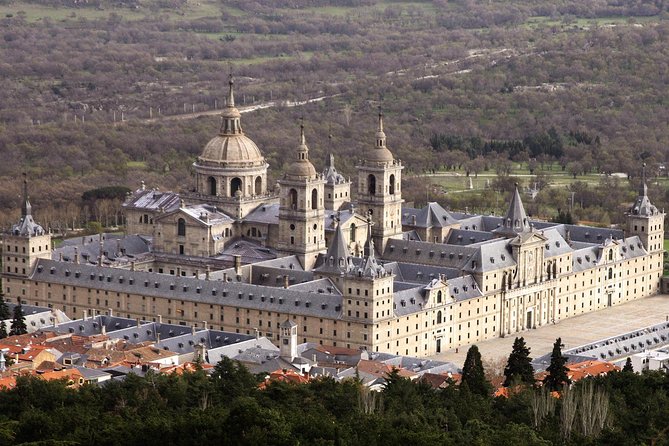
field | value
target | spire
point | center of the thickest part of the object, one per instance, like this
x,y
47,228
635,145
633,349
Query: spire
x,y
337,256
516,220
642,205
301,166
302,150
380,135
26,226
643,189
231,124
231,95
26,208
369,243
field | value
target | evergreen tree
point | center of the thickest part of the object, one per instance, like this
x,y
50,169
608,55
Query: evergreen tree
x,y
628,366
557,371
4,309
19,326
3,330
519,366
473,375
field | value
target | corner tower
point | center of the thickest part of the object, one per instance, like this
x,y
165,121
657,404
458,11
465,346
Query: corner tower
x,y
645,221
25,243
337,188
231,172
301,211
379,189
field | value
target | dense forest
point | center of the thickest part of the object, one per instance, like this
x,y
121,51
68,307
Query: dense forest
x,y
621,408
579,85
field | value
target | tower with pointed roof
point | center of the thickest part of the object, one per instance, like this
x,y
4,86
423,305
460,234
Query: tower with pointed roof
x,y
368,290
337,260
26,242
515,221
231,172
645,221
301,210
337,188
379,189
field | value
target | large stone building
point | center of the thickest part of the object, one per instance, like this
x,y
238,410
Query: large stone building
x,y
234,254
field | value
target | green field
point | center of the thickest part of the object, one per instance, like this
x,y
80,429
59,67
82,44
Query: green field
x,y
34,13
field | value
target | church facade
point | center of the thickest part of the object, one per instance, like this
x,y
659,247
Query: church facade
x,y
236,254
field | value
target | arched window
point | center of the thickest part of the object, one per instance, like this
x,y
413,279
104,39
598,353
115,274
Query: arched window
x,y
258,187
314,199
292,197
181,227
610,273
352,237
610,254
371,184
391,188
438,317
439,295
235,185
211,181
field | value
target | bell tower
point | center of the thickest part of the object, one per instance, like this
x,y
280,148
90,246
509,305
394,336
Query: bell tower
x,y
379,189
301,211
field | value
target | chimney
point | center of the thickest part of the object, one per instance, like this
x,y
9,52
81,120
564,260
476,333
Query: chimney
x,y
132,266
60,256
238,264
138,323
206,273
225,277
111,312
85,315
192,329
197,273
104,330
257,333
160,318
157,337
178,271
76,255
286,281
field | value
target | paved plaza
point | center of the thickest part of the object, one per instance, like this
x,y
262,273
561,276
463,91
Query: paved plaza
x,y
574,331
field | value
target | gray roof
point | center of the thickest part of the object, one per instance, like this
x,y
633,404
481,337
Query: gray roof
x,y
515,221
432,215
115,247
265,214
26,227
235,294
153,200
330,173
467,237
642,205
451,256
490,256
336,260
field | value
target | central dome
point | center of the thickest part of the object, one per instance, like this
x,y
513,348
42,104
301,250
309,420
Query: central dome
x,y
232,150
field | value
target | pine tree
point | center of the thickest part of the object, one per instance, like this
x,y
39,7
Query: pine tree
x,y
557,371
3,330
519,366
628,366
19,326
4,309
473,375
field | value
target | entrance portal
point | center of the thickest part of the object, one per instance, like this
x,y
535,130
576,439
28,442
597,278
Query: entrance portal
x,y
529,320
438,345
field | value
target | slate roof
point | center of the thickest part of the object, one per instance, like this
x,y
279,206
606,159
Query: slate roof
x,y
153,200
432,215
235,294
330,173
467,237
265,214
114,247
